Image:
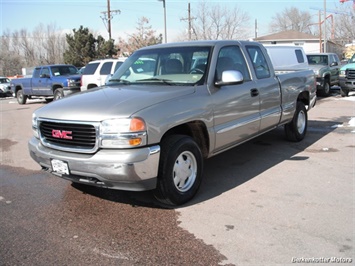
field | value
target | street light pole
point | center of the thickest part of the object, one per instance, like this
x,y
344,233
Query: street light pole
x,y
165,36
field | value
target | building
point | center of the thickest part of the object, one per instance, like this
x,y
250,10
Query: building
x,y
310,43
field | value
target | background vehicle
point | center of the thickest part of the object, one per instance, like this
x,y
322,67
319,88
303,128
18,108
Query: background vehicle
x,y
5,89
326,66
51,82
96,72
286,58
153,129
347,77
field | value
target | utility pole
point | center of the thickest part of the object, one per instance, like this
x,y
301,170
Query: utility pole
x,y
189,19
325,26
107,16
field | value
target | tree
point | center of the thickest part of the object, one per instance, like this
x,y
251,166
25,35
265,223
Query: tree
x,y
215,22
105,48
144,36
291,19
344,25
81,47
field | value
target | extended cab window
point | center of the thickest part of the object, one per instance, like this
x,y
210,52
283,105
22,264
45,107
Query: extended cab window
x,y
231,58
36,72
260,65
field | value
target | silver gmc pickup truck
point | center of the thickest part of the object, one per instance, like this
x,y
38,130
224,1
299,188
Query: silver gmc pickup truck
x,y
167,109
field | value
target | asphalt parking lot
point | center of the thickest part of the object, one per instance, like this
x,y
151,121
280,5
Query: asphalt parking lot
x,y
266,202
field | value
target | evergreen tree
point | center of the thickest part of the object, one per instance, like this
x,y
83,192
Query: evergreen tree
x,y
81,47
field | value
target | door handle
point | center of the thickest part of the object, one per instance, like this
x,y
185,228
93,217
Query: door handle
x,y
254,92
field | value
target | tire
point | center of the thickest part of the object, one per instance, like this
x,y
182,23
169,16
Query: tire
x,y
344,92
21,98
297,128
58,94
325,92
180,170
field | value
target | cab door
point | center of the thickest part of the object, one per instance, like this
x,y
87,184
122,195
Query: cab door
x,y
235,107
268,87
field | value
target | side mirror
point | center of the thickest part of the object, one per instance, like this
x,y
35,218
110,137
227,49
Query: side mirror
x,y
334,64
230,77
44,76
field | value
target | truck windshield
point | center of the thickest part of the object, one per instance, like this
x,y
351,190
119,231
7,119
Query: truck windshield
x,y
173,65
317,59
64,70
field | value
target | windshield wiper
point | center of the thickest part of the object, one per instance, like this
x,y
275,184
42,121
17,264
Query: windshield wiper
x,y
165,81
124,81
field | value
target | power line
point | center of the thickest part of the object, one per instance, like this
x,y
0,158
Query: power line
x,y
107,16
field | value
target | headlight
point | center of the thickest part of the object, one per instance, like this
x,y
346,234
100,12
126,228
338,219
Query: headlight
x,y
342,73
35,126
123,133
71,82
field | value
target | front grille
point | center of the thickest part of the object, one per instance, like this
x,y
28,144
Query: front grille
x,y
79,136
351,74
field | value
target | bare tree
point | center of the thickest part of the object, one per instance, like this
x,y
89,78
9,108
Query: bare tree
x,y
291,19
215,22
10,62
345,25
144,36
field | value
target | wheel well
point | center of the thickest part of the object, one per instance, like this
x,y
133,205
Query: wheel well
x,y
304,98
196,130
17,88
56,87
90,86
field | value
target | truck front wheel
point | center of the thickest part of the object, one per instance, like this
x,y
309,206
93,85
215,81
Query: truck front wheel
x,y
21,98
58,93
344,92
296,129
180,170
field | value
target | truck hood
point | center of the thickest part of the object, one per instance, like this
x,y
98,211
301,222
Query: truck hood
x,y
317,68
111,102
347,66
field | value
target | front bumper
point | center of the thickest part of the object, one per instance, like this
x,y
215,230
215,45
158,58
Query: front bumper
x,y
70,90
346,83
129,169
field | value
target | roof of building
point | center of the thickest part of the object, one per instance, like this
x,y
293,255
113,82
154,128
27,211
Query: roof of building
x,y
288,35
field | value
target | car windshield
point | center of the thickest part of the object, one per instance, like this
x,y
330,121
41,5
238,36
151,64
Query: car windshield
x,y
172,66
4,80
317,59
64,70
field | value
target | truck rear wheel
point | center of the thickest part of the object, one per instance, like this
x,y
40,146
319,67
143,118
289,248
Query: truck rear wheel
x,y
297,128
180,170
21,98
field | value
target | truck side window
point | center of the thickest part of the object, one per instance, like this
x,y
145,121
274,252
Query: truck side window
x,y
45,72
231,58
260,65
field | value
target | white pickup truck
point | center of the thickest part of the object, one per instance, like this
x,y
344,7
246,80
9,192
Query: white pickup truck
x,y
157,120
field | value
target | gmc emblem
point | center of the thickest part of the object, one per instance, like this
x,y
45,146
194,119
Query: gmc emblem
x,y
61,134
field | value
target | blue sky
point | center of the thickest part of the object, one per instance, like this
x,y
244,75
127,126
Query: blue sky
x,y
70,14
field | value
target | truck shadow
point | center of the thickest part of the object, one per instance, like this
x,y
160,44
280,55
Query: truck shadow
x,y
232,168
247,161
